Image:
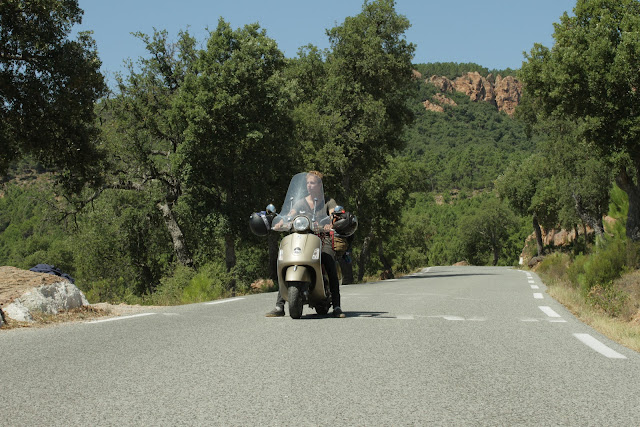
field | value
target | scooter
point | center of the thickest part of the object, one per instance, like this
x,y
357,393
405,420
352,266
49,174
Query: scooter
x,y
301,276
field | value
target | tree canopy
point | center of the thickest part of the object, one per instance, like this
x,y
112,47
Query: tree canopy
x,y
48,88
590,76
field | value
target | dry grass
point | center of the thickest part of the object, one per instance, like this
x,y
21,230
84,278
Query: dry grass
x,y
75,315
625,331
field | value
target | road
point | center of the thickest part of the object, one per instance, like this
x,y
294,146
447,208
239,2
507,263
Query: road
x,y
447,346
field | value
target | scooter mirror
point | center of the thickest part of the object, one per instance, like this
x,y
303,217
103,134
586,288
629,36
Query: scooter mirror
x,y
270,209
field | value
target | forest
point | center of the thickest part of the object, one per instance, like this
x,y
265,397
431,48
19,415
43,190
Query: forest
x,y
143,192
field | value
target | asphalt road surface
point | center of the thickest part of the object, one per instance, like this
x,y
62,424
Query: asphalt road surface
x,y
447,346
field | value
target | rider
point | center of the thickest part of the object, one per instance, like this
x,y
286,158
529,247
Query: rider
x,y
314,188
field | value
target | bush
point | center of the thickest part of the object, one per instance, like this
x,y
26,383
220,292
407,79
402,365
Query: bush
x,y
209,284
188,286
611,300
169,291
603,267
576,270
555,266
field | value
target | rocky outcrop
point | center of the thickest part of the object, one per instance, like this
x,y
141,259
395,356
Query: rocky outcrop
x,y
505,93
442,83
437,103
508,91
476,87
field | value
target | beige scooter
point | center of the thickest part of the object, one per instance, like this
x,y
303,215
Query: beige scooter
x,y
300,273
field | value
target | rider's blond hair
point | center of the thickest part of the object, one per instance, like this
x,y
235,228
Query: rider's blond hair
x,y
316,173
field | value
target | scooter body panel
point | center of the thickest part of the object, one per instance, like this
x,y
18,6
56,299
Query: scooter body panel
x,y
299,260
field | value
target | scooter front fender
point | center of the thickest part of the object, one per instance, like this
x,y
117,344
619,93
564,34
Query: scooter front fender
x,y
297,273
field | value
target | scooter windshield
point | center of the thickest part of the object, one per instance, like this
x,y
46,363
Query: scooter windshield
x,y
305,197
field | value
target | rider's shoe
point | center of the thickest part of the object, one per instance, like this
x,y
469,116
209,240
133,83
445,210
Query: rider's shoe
x,y
276,312
337,312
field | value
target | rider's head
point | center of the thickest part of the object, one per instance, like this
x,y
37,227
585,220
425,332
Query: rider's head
x,y
314,183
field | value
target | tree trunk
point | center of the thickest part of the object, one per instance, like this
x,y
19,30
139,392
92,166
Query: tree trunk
x,y
625,182
538,231
364,256
388,269
230,259
177,237
496,255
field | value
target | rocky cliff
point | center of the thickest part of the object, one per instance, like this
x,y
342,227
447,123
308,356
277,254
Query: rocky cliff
x,y
503,92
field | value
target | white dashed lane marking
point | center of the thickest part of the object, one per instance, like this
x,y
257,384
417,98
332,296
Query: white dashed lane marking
x,y
548,311
598,346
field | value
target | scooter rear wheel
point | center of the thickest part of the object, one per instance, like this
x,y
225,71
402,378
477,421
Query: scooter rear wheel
x,y
295,300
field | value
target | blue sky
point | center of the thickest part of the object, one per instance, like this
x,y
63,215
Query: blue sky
x,y
492,33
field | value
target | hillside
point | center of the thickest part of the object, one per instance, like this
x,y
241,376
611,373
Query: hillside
x,y
464,133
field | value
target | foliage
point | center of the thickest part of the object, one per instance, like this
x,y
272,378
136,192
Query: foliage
x,y
237,104
430,234
121,242
484,231
48,87
590,76
30,233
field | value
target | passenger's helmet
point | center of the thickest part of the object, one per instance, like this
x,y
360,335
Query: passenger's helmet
x,y
344,223
260,223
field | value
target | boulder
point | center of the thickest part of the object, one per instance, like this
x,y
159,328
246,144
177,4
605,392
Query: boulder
x,y
23,292
48,299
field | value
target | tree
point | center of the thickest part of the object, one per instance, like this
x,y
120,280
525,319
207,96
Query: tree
x,y
486,230
239,139
531,190
144,130
590,76
48,87
356,120
584,181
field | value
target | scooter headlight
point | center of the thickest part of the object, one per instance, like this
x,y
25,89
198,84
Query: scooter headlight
x,y
301,223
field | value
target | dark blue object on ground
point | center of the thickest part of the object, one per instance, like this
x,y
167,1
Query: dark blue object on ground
x,y
50,269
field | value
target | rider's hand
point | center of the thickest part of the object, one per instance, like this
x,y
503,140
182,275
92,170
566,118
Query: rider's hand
x,y
327,227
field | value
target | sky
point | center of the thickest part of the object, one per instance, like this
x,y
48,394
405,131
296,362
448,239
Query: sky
x,y
492,33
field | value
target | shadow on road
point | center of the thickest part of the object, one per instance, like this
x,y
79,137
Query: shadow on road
x,y
354,314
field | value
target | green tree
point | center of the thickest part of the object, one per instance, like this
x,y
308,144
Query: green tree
x,y
144,129
590,76
356,120
486,230
532,191
48,87
239,139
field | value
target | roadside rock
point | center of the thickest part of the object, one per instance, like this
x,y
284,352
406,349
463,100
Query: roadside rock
x,y
22,292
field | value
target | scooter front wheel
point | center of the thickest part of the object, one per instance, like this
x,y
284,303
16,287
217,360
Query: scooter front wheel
x,y
295,300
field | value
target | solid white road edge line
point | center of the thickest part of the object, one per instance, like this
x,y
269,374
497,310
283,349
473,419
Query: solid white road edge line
x,y
548,311
121,318
599,347
224,301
